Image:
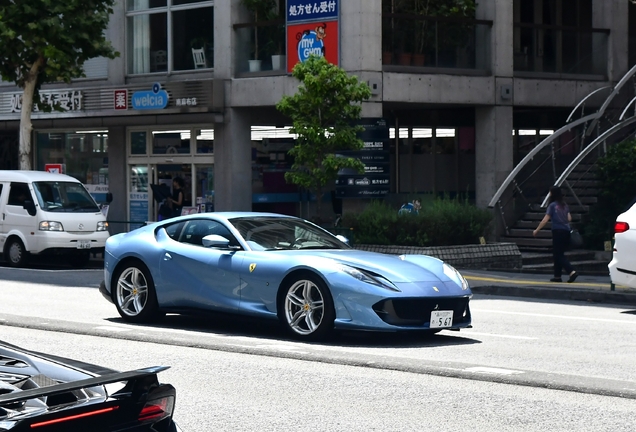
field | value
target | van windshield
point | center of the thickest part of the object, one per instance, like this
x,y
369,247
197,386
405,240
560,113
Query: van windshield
x,y
64,197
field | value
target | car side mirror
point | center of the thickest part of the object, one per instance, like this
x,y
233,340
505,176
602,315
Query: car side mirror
x,y
29,206
342,239
109,197
216,241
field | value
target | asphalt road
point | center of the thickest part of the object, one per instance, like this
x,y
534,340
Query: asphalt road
x,y
524,359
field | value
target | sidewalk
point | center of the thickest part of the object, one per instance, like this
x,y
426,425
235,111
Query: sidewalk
x,y
595,289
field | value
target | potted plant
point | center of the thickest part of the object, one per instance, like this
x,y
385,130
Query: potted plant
x,y
276,37
259,9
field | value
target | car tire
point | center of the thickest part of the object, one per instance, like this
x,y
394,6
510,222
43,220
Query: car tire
x,y
134,293
306,308
80,259
15,253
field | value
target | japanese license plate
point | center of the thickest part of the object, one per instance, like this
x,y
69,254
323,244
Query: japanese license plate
x,y
83,244
441,319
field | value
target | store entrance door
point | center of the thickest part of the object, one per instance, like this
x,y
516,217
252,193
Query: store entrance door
x,y
165,174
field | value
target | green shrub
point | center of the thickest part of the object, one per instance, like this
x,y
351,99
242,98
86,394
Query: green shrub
x,y
616,174
443,222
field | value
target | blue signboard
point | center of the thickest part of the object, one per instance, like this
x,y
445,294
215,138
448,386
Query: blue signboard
x,y
150,99
376,180
311,10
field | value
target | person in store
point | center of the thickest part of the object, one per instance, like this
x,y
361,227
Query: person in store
x,y
176,200
559,213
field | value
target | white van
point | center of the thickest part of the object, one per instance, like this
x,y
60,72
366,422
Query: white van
x,y
48,213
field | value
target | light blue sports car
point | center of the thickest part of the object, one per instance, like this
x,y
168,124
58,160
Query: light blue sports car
x,y
276,266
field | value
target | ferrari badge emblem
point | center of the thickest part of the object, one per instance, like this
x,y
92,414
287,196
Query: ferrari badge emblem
x,y
435,288
252,267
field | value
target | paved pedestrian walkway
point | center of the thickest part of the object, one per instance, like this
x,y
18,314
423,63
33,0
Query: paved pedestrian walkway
x,y
597,289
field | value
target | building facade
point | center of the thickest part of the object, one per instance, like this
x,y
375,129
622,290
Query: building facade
x,y
193,95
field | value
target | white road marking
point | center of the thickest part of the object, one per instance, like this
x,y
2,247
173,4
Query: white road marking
x,y
113,329
554,316
499,335
492,371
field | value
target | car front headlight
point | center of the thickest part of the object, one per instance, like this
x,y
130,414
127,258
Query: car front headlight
x,y
51,226
102,226
366,277
455,276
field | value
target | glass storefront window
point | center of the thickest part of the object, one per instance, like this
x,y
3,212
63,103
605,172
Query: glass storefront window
x,y
171,142
84,155
204,188
190,39
138,196
205,141
138,143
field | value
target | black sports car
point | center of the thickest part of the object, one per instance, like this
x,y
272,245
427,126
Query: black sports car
x,y
42,392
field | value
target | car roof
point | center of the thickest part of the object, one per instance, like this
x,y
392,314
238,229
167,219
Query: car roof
x,y
34,176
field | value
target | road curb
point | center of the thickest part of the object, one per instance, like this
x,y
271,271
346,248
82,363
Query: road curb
x,y
592,296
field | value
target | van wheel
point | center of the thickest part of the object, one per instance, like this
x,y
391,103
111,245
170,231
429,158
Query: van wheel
x,y
15,253
80,259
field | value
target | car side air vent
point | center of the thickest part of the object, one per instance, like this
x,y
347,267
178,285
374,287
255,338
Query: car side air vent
x,y
11,362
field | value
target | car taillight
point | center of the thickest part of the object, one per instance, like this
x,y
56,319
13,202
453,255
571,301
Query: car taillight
x,y
620,227
73,417
157,409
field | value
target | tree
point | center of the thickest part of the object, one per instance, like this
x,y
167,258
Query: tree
x,y
48,41
323,113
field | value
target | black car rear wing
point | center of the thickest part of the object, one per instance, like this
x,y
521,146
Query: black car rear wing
x,y
20,396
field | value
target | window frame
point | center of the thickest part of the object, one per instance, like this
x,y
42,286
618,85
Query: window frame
x,y
168,10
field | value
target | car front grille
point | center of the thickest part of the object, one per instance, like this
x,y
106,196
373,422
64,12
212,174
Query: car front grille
x,y
417,311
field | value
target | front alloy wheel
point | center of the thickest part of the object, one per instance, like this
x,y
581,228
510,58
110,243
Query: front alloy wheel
x,y
135,295
307,310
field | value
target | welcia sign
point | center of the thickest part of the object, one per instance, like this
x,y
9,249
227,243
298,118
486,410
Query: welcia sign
x,y
312,29
150,99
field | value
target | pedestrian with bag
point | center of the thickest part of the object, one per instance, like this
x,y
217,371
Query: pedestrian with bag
x,y
559,213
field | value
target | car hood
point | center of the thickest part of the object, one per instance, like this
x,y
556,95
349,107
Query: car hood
x,y
413,268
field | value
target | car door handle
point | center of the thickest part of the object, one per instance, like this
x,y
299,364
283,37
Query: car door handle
x,y
167,257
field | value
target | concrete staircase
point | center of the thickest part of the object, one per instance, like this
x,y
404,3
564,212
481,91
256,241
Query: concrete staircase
x,y
585,262
536,252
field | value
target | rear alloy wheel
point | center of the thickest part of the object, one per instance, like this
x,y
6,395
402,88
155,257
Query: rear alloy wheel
x,y
15,253
134,294
307,308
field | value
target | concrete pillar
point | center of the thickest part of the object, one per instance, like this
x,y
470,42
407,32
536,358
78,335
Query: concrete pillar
x,y
232,132
117,210
361,45
500,12
361,35
493,150
614,15
233,162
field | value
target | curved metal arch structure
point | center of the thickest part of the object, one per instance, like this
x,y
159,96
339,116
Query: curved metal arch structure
x,y
543,166
591,146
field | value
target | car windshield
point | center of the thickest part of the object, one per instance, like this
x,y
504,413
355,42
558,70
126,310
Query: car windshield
x,y
64,197
270,233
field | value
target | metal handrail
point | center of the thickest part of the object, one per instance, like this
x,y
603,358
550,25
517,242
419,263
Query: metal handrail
x,y
583,101
533,153
630,73
586,151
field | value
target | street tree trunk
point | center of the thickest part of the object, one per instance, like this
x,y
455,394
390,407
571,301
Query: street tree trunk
x,y
26,127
